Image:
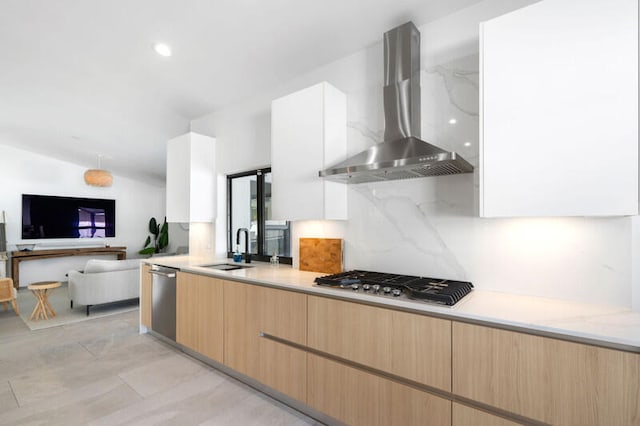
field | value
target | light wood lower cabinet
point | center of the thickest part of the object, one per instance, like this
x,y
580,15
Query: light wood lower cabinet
x,y
544,379
199,314
252,309
554,381
467,416
145,295
359,398
415,347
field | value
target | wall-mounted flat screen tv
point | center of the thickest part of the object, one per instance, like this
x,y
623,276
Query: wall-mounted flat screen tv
x,y
45,216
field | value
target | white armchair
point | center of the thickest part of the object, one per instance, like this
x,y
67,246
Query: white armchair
x,y
104,281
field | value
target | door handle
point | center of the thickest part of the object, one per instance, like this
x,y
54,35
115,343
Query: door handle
x,y
163,274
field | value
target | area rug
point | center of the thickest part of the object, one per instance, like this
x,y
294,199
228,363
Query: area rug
x,y
59,299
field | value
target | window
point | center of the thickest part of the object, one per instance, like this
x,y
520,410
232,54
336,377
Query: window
x,y
249,206
91,222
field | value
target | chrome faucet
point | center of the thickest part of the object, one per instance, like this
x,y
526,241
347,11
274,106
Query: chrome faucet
x,y
247,255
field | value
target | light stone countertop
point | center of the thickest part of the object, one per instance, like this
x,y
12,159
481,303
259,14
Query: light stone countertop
x,y
609,326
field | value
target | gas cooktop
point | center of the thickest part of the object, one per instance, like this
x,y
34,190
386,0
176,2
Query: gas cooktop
x,y
433,290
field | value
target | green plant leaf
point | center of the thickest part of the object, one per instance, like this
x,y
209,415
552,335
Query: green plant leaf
x,y
165,228
153,226
163,241
148,250
148,241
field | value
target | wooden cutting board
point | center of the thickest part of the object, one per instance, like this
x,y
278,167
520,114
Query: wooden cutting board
x,y
321,255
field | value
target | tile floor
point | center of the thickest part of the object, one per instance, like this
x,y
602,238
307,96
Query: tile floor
x,y
103,372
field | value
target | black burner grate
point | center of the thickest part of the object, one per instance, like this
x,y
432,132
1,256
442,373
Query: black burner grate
x,y
447,292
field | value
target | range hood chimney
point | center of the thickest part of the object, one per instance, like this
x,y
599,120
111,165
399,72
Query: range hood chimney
x,y
402,155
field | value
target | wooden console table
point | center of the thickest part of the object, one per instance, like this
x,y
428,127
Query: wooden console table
x,y
22,256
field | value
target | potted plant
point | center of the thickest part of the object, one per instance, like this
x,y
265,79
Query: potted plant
x,y
160,237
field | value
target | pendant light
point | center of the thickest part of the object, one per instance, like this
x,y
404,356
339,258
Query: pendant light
x,y
98,177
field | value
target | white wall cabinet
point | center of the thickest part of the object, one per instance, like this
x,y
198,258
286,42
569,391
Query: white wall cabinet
x,y
559,110
191,179
308,134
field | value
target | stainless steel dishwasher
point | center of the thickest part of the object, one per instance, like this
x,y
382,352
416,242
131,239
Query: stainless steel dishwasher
x,y
163,308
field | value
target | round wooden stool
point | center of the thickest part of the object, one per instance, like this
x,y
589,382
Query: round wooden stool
x,y
41,291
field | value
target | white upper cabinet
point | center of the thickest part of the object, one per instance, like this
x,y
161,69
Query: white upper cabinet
x,y
559,108
191,179
308,134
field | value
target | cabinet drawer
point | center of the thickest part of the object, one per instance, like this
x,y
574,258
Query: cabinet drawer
x,y
557,382
412,346
250,310
359,398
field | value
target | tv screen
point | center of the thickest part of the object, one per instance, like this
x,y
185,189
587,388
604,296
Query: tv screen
x,y
45,216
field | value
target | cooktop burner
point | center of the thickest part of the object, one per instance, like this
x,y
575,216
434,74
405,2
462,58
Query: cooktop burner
x,y
434,290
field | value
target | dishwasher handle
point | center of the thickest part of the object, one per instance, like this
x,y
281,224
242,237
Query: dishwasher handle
x,y
163,274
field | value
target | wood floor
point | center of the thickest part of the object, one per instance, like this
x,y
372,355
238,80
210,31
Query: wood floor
x,y
103,372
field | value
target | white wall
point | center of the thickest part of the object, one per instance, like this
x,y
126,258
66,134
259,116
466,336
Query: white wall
x,y
430,226
24,172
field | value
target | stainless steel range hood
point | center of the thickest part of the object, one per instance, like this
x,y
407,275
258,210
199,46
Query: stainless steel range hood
x,y
402,155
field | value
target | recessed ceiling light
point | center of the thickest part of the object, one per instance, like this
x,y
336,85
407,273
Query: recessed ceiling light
x,y
162,49
452,121
467,144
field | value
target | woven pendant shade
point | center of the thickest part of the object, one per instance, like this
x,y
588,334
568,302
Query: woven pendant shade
x,y
98,177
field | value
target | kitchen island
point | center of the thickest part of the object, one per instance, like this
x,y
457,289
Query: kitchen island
x,y
492,358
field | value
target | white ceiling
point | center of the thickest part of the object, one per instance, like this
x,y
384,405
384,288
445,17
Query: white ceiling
x,y
79,78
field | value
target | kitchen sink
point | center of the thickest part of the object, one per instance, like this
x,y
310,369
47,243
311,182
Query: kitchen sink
x,y
225,266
